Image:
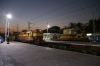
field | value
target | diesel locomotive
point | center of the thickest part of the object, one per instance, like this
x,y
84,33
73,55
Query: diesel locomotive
x,y
35,36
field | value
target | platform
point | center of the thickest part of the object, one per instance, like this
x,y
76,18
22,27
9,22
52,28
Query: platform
x,y
23,54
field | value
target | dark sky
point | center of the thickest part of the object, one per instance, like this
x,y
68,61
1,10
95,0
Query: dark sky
x,y
54,12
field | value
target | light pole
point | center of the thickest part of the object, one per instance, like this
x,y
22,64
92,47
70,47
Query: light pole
x,y
47,27
93,28
7,27
6,30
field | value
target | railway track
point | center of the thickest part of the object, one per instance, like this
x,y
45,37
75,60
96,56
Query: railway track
x,y
83,47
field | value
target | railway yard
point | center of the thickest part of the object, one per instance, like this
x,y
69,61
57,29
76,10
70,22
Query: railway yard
x,y
83,47
50,33
25,54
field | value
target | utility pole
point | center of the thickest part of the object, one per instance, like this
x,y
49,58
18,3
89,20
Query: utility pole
x,y
6,30
29,26
29,29
17,27
29,23
47,27
93,27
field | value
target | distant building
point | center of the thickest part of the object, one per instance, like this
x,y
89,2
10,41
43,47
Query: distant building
x,y
70,31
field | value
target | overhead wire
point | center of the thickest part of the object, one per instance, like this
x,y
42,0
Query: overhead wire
x,y
54,10
64,13
71,12
72,16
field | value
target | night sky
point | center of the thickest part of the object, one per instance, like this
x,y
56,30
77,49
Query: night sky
x,y
40,12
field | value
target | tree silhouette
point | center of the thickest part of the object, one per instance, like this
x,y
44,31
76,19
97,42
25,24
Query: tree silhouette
x,y
24,30
54,29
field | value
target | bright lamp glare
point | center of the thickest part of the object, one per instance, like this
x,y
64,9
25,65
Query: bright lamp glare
x,y
48,26
89,34
9,16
